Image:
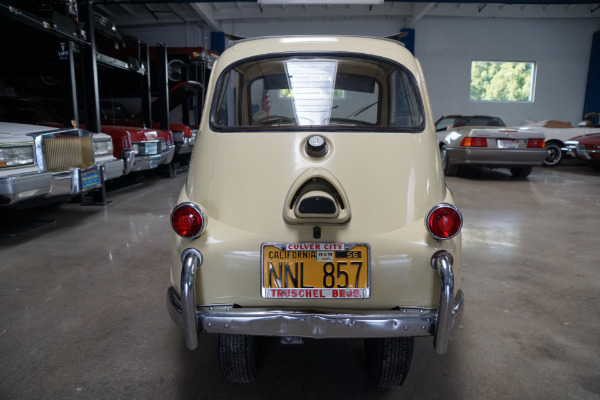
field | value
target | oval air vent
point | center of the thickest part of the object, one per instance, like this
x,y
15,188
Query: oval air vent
x,y
316,203
316,197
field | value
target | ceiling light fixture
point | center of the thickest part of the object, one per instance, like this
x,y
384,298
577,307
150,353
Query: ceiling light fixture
x,y
323,2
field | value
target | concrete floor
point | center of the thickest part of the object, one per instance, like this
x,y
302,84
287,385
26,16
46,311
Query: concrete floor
x,y
83,312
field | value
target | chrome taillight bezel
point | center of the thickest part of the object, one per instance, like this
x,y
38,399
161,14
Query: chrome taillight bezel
x,y
436,208
196,209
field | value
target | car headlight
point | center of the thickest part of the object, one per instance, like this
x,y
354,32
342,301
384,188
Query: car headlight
x,y
16,156
102,148
136,147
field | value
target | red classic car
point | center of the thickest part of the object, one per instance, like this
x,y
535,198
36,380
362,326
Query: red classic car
x,y
148,147
184,135
586,148
141,148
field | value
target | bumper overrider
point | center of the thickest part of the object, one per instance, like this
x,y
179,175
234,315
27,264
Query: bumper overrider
x,y
325,324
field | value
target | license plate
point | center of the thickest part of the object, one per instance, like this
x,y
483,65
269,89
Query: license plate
x,y
90,179
507,143
154,163
151,148
315,270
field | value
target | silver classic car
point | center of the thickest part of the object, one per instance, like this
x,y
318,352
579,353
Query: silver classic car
x,y
315,206
480,140
40,165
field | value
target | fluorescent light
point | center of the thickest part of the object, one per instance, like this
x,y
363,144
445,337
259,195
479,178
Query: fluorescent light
x,y
307,39
324,2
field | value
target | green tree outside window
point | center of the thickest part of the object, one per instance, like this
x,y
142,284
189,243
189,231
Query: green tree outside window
x,y
502,81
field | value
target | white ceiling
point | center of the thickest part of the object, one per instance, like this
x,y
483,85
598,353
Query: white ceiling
x,y
133,14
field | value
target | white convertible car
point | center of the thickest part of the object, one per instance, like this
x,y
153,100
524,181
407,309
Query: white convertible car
x,y
557,133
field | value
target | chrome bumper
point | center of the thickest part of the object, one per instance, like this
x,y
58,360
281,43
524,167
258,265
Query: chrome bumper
x,y
325,324
167,156
144,162
113,169
184,147
493,157
21,187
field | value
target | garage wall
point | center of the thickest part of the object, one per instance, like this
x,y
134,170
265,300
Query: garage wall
x,y
560,49
446,47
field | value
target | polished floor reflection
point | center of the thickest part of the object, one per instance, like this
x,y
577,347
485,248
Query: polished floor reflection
x,y
84,304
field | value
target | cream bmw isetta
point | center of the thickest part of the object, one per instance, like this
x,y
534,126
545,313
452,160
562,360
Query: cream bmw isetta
x,y
316,206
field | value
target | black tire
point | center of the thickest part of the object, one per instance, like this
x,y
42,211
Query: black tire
x,y
388,359
449,168
522,172
239,357
553,154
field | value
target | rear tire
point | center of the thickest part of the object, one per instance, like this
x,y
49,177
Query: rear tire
x,y
449,168
522,172
553,154
239,356
388,359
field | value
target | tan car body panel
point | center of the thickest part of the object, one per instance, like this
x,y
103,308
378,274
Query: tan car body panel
x,y
241,180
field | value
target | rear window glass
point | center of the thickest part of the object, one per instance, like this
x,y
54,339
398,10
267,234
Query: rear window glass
x,y
317,92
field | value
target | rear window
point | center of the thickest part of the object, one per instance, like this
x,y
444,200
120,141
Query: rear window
x,y
317,92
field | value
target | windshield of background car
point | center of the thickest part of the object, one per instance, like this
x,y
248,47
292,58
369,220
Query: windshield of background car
x,y
458,121
317,92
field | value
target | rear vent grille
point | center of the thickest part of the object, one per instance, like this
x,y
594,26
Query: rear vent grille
x,y
61,154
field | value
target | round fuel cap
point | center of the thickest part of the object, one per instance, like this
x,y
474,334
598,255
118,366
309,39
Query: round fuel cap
x,y
316,146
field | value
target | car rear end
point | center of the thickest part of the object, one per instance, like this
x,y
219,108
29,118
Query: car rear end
x,y
498,147
315,206
586,148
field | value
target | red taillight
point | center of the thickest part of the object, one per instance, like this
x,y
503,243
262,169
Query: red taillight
x,y
188,220
536,143
444,221
474,142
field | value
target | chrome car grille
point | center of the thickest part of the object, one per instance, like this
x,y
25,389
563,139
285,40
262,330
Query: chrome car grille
x,y
61,154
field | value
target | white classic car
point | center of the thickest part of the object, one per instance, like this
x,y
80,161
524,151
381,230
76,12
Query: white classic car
x,y
40,165
316,206
557,133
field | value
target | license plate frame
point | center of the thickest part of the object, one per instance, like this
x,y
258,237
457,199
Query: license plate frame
x,y
507,143
293,270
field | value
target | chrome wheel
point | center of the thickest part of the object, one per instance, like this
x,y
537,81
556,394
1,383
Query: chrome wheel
x,y
553,155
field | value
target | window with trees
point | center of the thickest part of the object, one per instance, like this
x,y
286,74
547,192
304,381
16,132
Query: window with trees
x,y
502,81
